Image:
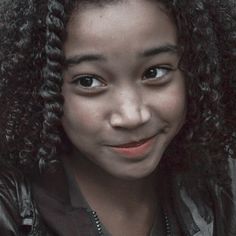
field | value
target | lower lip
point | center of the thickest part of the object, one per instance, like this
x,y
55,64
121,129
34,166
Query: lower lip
x,y
136,151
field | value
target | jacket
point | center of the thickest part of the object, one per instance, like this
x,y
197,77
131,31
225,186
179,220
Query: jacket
x,y
21,202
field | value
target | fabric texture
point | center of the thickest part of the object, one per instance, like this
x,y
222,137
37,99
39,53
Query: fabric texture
x,y
21,202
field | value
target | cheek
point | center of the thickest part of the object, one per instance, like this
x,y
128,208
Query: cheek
x,y
175,107
80,117
173,103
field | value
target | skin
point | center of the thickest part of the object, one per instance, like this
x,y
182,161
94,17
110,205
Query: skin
x,y
133,92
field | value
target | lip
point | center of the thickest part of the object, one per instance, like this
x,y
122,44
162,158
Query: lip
x,y
135,149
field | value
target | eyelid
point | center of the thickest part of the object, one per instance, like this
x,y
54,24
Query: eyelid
x,y
76,78
79,76
166,67
88,91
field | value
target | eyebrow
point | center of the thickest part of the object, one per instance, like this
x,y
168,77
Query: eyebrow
x,y
168,48
75,60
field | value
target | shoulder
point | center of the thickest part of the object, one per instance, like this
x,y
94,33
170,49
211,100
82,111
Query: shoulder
x,y
14,187
224,201
13,184
11,181
12,178
194,213
15,203
18,211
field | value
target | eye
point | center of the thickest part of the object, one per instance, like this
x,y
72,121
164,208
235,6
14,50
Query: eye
x,y
88,81
156,73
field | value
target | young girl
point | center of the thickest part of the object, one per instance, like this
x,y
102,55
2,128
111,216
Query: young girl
x,y
117,118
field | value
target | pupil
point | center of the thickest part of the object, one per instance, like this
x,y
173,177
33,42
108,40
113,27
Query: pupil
x,y
151,73
86,82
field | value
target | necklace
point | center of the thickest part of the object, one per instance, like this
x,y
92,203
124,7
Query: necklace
x,y
167,224
97,222
165,215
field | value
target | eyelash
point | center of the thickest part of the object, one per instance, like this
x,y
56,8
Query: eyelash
x,y
78,79
162,77
101,84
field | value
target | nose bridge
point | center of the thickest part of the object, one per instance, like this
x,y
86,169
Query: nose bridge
x,y
129,110
130,103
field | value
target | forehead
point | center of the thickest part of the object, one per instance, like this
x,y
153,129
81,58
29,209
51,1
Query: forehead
x,y
85,5
112,24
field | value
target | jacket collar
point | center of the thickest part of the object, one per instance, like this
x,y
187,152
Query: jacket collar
x,y
52,195
195,217
65,210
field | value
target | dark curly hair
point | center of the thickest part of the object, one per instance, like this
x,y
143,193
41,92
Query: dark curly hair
x,y
31,57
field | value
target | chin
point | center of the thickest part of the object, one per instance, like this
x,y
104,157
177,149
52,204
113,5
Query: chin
x,y
135,172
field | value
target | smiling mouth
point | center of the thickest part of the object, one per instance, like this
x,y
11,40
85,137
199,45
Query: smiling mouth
x,y
135,149
133,144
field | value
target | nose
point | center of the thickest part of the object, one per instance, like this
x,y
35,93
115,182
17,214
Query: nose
x,y
129,112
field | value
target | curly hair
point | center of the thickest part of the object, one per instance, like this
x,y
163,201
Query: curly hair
x,y
31,56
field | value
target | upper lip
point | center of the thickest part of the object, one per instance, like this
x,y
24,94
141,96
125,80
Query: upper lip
x,y
135,143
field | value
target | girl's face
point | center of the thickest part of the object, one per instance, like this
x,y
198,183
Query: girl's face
x,y
124,94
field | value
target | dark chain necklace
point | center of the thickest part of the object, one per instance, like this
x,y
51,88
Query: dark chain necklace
x,y
167,224
98,223
165,215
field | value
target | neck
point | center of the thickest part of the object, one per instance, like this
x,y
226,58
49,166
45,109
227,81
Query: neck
x,y
98,185
133,201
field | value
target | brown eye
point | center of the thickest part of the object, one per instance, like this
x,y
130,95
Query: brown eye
x,y
155,73
88,81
